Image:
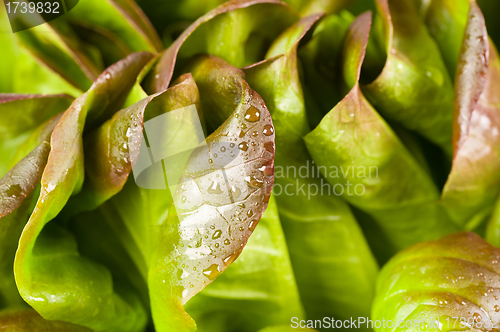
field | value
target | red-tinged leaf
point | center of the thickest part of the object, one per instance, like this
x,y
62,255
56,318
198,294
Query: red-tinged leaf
x,y
474,180
221,197
220,38
347,264
51,257
354,135
17,196
115,145
471,74
22,179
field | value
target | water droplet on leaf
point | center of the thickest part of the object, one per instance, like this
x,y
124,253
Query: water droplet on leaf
x,y
252,114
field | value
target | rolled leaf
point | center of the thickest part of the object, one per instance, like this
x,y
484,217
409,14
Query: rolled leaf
x,y
17,198
116,144
255,291
474,180
121,20
414,88
329,281
55,46
222,194
320,57
50,257
359,154
446,21
449,284
214,34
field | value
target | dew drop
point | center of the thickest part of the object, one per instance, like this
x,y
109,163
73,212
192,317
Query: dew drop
x,y
249,213
243,146
252,114
183,199
477,317
214,188
212,227
268,130
212,272
235,191
217,234
231,258
227,242
242,133
231,145
497,308
252,225
255,133
243,126
223,149
253,181
216,245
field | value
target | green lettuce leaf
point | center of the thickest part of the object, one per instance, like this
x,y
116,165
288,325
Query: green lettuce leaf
x,y
331,276
493,227
221,196
319,58
255,291
446,21
17,198
366,163
55,46
414,88
47,253
214,34
449,284
17,126
121,20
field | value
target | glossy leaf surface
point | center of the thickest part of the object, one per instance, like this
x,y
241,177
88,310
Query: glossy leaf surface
x,y
314,210
450,284
221,196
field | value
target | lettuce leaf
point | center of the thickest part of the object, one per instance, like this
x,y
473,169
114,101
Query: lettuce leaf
x,y
221,196
47,253
449,284
306,214
414,88
474,180
355,149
